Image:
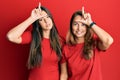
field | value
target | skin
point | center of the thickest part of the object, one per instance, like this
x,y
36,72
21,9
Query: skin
x,y
104,42
79,30
46,24
14,35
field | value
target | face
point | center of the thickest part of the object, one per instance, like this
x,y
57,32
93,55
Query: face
x,y
45,21
78,28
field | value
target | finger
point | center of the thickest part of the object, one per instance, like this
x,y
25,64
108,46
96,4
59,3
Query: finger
x,y
85,15
33,10
39,6
37,11
83,12
89,15
83,21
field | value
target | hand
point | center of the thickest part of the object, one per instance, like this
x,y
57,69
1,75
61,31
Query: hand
x,y
86,17
36,13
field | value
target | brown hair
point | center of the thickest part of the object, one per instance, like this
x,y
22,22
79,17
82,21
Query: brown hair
x,y
35,55
88,38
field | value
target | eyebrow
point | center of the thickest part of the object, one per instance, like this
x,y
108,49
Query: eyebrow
x,y
77,21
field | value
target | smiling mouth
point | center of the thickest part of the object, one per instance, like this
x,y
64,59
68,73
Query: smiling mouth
x,y
79,32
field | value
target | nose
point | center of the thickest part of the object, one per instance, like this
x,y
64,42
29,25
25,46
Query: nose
x,y
45,20
79,27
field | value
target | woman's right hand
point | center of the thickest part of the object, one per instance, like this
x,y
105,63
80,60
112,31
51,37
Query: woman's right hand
x,y
14,35
36,13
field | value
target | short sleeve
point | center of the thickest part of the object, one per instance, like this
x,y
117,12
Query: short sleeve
x,y
64,57
62,41
26,37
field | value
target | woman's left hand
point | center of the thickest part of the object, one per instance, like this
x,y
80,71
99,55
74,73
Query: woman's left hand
x,y
86,17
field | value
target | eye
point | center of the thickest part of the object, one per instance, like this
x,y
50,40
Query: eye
x,y
82,24
40,19
75,24
48,16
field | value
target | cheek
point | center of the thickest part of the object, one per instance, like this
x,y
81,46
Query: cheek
x,y
74,28
41,23
51,22
85,29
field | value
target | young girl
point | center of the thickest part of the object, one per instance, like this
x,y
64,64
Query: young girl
x,y
85,40
45,50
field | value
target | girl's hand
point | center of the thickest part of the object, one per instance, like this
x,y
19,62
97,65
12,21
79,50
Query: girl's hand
x,y
86,17
36,13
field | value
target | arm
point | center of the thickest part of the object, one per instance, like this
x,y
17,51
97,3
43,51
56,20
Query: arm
x,y
14,35
63,75
105,41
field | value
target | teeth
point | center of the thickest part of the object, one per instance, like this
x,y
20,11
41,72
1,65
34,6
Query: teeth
x,y
78,32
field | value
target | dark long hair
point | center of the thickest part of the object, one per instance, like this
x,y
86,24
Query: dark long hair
x,y
88,38
35,55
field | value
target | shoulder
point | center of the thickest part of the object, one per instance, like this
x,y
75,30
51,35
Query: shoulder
x,y
67,48
26,37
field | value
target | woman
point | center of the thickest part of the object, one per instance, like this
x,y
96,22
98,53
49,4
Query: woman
x,y
84,40
45,50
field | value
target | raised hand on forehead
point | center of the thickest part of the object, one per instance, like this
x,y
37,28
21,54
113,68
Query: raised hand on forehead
x,y
86,17
36,13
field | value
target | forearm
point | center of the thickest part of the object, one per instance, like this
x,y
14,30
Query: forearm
x,y
17,31
64,74
103,36
63,77
105,39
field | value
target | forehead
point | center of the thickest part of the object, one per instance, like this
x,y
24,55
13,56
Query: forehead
x,y
43,12
77,18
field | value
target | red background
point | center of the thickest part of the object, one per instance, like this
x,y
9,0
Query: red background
x,y
13,57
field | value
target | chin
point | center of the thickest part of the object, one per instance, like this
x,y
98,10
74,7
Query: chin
x,y
79,36
48,26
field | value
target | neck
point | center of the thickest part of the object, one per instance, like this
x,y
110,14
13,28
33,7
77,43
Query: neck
x,y
79,40
46,34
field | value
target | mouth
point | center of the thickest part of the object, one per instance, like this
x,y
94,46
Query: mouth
x,y
79,32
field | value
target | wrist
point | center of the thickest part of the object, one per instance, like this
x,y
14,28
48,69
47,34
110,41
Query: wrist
x,y
32,19
91,24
